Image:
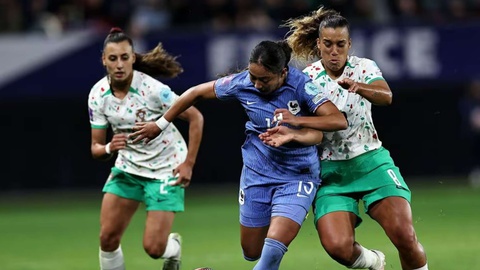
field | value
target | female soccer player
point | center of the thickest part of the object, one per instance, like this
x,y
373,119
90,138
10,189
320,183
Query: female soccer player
x,y
142,171
355,166
277,185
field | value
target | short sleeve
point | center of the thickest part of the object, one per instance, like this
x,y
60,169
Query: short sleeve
x,y
371,72
312,96
163,97
95,112
226,87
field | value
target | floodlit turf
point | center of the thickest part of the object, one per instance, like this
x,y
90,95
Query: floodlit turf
x,y
58,231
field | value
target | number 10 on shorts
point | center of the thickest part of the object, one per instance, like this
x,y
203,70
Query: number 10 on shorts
x,y
305,189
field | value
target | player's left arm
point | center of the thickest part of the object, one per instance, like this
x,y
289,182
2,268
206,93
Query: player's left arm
x,y
281,135
377,92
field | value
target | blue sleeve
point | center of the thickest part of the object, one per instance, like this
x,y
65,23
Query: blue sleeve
x,y
311,96
227,87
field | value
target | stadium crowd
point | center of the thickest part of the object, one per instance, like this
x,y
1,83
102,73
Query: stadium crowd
x,y
142,16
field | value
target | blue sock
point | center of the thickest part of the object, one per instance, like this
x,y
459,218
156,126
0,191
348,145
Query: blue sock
x,y
272,254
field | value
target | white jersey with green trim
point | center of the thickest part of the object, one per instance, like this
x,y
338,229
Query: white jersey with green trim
x,y
360,136
147,100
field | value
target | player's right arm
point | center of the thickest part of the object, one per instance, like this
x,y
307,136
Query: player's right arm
x,y
102,150
281,135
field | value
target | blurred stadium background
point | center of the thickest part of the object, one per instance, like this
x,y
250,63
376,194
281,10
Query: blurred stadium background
x,y
50,188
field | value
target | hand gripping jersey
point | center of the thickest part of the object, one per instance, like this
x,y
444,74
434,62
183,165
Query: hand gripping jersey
x,y
360,136
147,100
301,97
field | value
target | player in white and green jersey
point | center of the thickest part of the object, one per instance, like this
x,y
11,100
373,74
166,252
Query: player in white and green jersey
x,y
355,166
153,172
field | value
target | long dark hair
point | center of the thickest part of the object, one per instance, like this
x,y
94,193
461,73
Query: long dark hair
x,y
156,62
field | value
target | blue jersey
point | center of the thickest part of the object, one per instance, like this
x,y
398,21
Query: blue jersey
x,y
301,97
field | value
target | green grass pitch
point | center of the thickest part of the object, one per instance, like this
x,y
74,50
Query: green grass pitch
x,y
57,231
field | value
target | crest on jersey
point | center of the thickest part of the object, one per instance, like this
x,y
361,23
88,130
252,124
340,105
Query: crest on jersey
x,y
140,115
293,107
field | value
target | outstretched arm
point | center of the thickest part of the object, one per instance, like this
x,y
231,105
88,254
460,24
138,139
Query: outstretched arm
x,y
151,130
281,135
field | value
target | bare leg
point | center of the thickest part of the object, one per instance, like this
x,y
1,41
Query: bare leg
x,y
395,216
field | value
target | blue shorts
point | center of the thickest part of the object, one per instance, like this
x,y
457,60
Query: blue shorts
x,y
259,201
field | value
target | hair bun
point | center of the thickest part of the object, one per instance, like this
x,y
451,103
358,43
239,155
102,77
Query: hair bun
x,y
116,30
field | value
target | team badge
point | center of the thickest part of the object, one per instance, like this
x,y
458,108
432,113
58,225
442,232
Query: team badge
x,y
293,107
241,197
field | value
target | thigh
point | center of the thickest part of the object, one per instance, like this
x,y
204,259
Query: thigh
x,y
255,200
115,214
336,230
160,196
392,213
124,185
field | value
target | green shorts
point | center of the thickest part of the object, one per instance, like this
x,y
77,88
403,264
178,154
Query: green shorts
x,y
369,177
155,193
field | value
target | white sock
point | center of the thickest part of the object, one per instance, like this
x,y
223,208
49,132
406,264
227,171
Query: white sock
x,y
112,260
172,249
425,267
366,259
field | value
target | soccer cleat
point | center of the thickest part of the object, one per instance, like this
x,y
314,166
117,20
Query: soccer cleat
x,y
173,263
381,262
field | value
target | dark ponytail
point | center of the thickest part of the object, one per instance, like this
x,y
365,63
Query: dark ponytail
x,y
274,56
156,62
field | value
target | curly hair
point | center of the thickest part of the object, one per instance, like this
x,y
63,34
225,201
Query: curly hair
x,y
305,30
158,62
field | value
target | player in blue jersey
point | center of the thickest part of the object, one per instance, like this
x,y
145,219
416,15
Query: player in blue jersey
x,y
355,165
277,185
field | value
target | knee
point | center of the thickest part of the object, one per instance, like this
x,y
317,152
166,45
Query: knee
x,y
109,241
404,237
155,251
251,253
340,248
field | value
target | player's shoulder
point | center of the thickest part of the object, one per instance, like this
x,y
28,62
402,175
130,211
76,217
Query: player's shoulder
x,y
145,82
101,88
315,66
360,62
239,79
314,70
297,77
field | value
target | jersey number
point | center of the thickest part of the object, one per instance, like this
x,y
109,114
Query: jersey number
x,y
304,189
392,174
